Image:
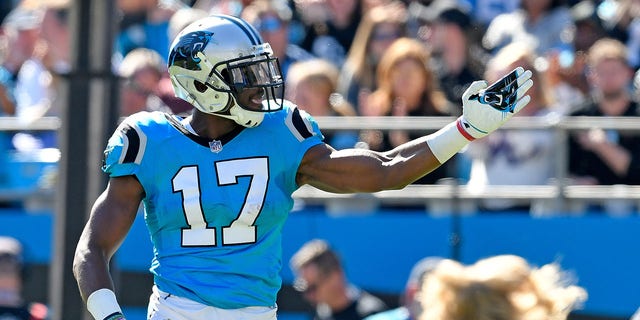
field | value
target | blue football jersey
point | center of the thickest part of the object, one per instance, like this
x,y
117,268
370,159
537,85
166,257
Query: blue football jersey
x,y
215,209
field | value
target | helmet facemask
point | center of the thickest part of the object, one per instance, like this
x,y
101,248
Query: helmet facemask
x,y
262,71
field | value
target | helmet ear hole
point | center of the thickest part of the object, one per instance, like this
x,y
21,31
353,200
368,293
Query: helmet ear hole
x,y
201,87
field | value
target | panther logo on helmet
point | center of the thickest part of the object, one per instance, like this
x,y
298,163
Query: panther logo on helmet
x,y
185,53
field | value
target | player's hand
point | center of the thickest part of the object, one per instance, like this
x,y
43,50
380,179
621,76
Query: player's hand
x,y
485,108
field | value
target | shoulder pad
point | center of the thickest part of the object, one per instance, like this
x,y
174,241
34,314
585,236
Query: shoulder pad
x,y
300,123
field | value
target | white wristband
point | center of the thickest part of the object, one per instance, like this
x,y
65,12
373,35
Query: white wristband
x,y
102,304
447,141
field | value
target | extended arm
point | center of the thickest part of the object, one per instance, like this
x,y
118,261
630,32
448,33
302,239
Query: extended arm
x,y
354,170
362,170
111,218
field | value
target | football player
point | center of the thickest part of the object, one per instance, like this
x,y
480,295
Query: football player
x,y
216,185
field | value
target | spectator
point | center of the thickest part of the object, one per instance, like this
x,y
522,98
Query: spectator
x,y
12,303
542,24
311,85
379,28
38,60
526,154
142,69
484,11
623,24
407,87
145,24
566,69
30,72
503,287
19,34
458,57
21,29
589,26
607,156
25,79
56,36
323,282
416,10
271,19
44,73
34,56
330,27
408,308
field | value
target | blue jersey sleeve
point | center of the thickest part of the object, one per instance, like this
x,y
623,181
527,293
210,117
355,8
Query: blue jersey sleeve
x,y
304,132
125,149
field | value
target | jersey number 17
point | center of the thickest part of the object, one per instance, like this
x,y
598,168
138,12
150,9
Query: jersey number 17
x,y
242,229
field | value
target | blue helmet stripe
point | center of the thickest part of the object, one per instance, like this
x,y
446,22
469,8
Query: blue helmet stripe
x,y
248,30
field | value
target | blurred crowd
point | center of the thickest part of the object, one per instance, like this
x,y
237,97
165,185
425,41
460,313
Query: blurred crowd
x,y
499,287
376,58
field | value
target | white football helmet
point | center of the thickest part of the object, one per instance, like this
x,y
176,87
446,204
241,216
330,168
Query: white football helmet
x,y
213,59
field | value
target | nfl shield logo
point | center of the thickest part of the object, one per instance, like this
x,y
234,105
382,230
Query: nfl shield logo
x,y
215,146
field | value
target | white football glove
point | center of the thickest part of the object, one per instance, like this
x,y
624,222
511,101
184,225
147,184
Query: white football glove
x,y
485,109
